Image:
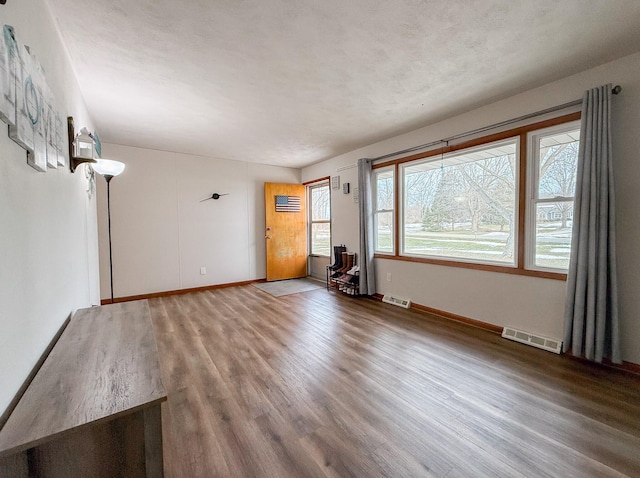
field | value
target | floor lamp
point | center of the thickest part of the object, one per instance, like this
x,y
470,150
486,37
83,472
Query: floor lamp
x,y
109,169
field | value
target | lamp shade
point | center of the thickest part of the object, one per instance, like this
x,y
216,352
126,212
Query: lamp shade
x,y
108,167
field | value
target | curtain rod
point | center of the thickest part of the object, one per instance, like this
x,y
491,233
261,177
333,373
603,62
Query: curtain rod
x,y
616,89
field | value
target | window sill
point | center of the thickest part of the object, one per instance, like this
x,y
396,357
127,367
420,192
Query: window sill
x,y
476,266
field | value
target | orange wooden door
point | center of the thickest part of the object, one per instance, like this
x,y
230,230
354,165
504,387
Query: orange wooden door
x,y
285,230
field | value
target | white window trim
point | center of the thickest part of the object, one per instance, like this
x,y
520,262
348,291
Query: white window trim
x,y
311,222
377,211
532,189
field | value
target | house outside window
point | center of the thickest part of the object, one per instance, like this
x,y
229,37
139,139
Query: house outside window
x,y
554,154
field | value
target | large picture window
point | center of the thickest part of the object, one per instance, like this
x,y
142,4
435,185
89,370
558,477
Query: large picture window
x,y
320,219
502,203
462,205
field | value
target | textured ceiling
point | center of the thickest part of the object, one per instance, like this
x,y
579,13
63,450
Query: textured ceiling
x,y
292,82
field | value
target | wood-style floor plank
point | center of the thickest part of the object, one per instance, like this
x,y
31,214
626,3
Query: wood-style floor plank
x,y
318,384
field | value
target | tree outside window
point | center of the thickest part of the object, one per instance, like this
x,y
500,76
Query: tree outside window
x,y
462,205
384,216
320,220
555,165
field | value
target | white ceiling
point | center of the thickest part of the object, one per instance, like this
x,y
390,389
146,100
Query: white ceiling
x,y
292,82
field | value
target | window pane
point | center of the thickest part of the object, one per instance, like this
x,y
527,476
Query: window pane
x,y
321,239
383,232
553,234
463,206
557,164
320,204
384,190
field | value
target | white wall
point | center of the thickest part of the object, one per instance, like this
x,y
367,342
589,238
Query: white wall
x,y
162,234
529,303
48,235
317,266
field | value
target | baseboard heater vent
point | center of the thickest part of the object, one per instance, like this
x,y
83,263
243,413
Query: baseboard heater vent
x,y
538,341
389,299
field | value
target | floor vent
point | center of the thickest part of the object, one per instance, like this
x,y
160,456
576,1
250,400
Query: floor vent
x,y
389,299
539,341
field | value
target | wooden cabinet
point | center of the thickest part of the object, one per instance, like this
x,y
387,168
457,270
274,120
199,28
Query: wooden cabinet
x,y
93,408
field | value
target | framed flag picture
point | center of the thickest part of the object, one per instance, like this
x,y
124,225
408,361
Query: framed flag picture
x,y
287,203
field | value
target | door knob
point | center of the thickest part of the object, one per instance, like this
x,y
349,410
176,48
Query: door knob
x,y
267,237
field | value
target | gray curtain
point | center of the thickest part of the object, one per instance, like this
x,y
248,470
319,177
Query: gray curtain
x,y
591,311
365,206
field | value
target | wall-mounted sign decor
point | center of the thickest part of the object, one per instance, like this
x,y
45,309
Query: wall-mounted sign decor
x,y
27,105
8,54
287,203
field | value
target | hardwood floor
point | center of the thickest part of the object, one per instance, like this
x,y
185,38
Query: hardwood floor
x,y
319,384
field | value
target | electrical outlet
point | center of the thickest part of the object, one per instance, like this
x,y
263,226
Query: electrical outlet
x,y
203,271
388,276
